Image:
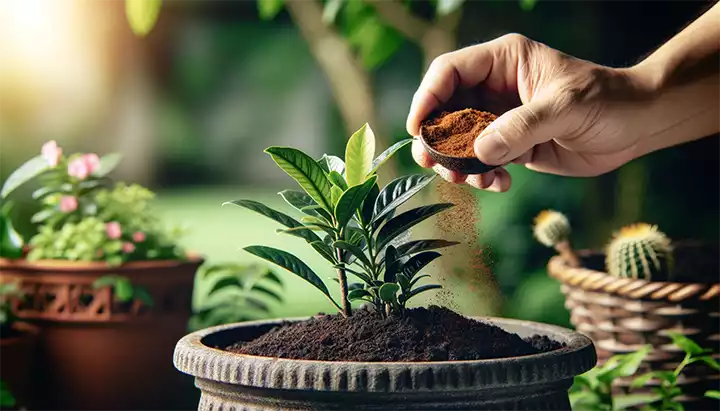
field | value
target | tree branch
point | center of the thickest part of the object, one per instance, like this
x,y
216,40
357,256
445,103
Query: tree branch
x,y
399,17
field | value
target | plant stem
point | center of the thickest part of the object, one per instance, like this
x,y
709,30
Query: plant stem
x,y
342,278
566,251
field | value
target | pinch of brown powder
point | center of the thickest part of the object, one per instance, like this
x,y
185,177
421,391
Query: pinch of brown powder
x,y
455,133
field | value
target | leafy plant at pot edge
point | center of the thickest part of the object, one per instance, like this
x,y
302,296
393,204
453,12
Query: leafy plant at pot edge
x,y
593,390
351,223
84,215
230,292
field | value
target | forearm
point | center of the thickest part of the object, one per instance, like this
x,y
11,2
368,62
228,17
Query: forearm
x,y
683,77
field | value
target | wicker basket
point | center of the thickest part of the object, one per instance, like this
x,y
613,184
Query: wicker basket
x,y
621,315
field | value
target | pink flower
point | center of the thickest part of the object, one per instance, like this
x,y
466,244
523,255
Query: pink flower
x,y
128,248
68,204
139,237
113,230
51,152
82,167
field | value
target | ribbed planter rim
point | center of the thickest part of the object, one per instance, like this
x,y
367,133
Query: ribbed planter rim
x,y
598,281
193,357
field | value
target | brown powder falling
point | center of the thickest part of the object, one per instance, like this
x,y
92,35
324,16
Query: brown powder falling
x,y
465,267
455,133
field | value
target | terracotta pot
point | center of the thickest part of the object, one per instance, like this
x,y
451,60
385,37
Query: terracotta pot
x,y
96,353
230,381
18,353
622,315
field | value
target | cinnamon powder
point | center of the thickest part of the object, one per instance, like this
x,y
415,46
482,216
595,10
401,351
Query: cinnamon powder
x,y
454,133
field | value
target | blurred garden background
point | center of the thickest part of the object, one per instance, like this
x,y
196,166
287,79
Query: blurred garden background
x,y
192,104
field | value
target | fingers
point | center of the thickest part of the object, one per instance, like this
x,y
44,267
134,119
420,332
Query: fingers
x,y
420,155
497,180
516,132
465,67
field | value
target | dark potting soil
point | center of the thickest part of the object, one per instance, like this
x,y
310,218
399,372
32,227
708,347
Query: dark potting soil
x,y
424,334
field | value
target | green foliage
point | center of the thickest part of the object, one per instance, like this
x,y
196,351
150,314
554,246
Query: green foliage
x,y
227,293
7,399
124,290
527,5
11,243
142,15
268,9
593,390
640,251
84,216
8,292
355,229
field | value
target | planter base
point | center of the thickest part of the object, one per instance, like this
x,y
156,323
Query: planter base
x,y
225,397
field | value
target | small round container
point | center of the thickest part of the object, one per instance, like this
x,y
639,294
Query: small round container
x,y
463,165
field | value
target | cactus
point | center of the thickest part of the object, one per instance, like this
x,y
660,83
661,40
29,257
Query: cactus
x,y
552,229
640,251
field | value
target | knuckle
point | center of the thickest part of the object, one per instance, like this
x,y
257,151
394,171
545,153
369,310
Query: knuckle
x,y
515,38
440,63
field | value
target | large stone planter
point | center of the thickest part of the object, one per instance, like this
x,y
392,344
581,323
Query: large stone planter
x,y
230,381
97,353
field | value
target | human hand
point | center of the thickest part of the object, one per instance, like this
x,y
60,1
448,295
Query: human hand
x,y
562,115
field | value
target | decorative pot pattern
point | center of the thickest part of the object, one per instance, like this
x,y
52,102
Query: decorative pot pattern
x,y
623,314
97,353
230,381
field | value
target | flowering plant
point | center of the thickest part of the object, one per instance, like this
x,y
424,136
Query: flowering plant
x,y
84,215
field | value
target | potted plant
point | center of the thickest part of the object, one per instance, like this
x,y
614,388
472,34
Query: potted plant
x,y
17,347
105,281
385,354
639,291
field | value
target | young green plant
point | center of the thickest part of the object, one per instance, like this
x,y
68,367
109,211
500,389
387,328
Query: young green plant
x,y
351,223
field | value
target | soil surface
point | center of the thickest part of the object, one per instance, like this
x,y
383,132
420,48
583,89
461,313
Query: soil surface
x,y
454,133
424,334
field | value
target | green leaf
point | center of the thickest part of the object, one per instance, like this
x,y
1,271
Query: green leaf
x,y
404,221
413,247
388,292
337,180
398,192
26,172
7,399
418,262
707,360
354,250
123,289
229,280
626,366
303,169
42,215
359,154
324,250
385,155
330,11
686,344
368,206
351,200
302,202
142,15
667,376
404,282
418,278
335,194
268,9
292,264
391,264
622,402
527,5
142,294
375,40
445,7
281,218
422,289
641,380
45,191
358,294
11,243
715,394
266,291
108,163
332,163
105,281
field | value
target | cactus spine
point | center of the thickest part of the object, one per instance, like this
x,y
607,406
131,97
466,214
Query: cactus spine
x,y
640,251
552,229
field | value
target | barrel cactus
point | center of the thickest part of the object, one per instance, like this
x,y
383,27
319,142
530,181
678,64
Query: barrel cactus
x,y
552,229
640,251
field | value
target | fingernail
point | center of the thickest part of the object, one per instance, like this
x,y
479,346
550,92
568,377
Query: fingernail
x,y
490,148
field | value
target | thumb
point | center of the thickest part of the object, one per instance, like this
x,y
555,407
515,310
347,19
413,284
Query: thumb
x,y
514,133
